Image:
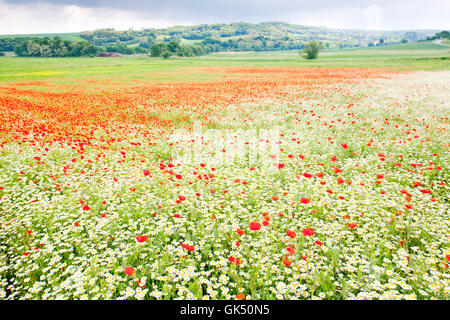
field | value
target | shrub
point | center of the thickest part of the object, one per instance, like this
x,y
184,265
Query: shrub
x,y
311,50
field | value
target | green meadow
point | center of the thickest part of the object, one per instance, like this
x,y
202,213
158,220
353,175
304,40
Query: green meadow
x,y
416,56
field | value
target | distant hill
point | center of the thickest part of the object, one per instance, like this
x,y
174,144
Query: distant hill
x,y
265,36
240,36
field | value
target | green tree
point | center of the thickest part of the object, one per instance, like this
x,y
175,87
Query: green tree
x,y
311,50
157,49
166,54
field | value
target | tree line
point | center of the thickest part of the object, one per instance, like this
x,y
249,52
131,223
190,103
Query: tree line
x,y
55,48
439,35
166,50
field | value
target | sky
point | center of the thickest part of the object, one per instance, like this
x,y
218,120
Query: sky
x,y
60,16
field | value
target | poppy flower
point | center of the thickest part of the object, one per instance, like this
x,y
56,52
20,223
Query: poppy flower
x,y
308,232
129,271
141,238
305,200
286,261
291,233
254,225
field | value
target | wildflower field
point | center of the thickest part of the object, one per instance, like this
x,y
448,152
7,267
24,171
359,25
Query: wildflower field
x,y
216,181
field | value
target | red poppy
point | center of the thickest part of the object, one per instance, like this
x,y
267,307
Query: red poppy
x,y
129,271
254,225
305,200
146,172
308,232
291,250
291,233
141,238
286,261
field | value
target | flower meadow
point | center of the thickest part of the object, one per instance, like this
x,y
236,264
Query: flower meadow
x,y
259,183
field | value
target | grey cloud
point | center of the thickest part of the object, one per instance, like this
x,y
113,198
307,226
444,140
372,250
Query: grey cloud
x,y
394,14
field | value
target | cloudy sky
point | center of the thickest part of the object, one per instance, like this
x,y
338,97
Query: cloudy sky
x,y
51,16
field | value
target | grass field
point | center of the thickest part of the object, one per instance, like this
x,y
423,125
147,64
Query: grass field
x,y
228,176
397,57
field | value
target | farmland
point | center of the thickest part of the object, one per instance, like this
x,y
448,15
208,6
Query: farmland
x,y
228,176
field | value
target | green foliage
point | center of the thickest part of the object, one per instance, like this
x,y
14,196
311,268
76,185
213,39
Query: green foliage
x,y
124,49
139,50
120,48
157,49
311,50
265,36
166,50
55,48
439,35
2,54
